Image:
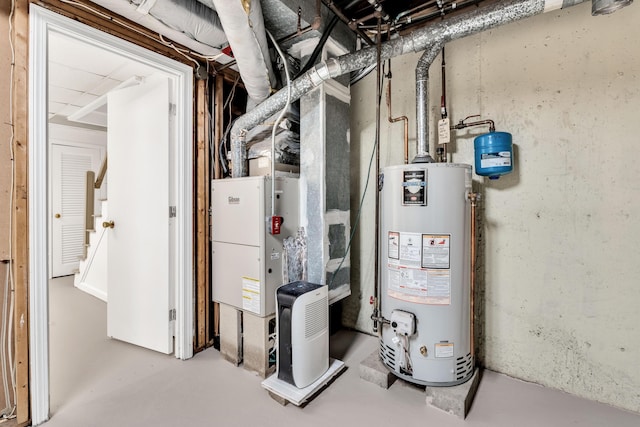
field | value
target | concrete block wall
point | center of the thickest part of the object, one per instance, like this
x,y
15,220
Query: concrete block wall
x,y
558,282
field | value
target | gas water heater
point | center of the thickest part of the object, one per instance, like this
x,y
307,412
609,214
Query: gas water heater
x,y
425,273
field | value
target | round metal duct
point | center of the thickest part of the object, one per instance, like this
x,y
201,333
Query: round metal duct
x,y
604,7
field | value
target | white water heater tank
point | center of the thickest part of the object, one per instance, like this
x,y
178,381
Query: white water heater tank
x,y
425,273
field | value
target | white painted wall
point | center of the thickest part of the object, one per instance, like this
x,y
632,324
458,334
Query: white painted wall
x,y
560,241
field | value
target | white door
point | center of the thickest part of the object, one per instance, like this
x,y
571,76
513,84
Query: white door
x,y
69,166
138,272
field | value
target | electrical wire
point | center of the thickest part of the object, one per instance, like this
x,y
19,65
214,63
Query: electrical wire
x,y
223,147
172,46
6,340
277,122
318,49
3,359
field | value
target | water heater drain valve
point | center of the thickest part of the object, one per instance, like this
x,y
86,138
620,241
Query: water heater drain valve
x,y
403,322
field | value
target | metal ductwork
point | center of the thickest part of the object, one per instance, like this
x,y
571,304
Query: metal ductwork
x,y
244,26
187,16
422,102
478,20
183,21
206,26
604,7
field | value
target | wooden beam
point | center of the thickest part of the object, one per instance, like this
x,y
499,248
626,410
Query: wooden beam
x,y
132,32
218,94
218,113
202,215
20,226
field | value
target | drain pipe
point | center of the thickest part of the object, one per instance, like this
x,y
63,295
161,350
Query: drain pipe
x,y
491,16
422,103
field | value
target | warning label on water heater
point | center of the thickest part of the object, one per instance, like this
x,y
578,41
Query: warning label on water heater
x,y
435,250
418,267
414,187
419,285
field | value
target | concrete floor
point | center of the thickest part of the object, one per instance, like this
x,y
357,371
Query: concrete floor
x,y
97,382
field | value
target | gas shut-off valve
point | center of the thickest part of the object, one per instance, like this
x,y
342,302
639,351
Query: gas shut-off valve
x,y
403,323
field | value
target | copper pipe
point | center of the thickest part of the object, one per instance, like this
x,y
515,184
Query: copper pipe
x,y
405,119
473,197
338,12
317,20
461,124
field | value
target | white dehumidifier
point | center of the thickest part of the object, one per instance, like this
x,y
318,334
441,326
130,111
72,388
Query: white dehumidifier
x,y
303,332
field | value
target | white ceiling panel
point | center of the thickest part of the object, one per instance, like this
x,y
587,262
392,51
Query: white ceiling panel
x,y
104,86
86,98
80,73
64,95
82,56
131,68
55,107
63,76
68,110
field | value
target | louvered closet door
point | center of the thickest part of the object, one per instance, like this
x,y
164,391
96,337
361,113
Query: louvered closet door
x,y
69,166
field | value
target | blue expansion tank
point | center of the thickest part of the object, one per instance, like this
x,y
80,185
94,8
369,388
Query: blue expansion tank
x,y
493,154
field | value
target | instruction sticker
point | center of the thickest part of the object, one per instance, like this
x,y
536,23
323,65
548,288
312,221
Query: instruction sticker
x,y
435,250
419,285
444,349
414,188
439,287
251,295
410,249
394,245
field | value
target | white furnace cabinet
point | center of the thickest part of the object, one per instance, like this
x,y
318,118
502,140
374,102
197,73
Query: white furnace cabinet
x,y
246,260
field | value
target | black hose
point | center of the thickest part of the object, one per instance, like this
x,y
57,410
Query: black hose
x,y
316,52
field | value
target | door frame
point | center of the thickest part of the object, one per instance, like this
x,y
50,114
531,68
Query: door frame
x,y
41,22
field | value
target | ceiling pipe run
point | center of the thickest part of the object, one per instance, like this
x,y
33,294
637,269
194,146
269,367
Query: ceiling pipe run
x,y
475,21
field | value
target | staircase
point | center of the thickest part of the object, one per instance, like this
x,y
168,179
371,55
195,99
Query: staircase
x,y
91,276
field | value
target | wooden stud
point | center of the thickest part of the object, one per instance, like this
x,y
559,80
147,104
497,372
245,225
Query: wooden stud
x,y
219,123
21,214
218,94
202,212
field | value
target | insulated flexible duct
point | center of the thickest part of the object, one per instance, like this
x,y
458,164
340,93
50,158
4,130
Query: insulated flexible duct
x,y
194,19
243,24
478,20
206,29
